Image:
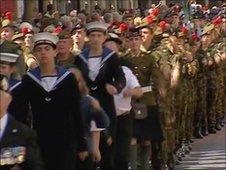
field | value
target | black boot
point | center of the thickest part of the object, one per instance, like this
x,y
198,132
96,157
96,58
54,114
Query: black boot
x,y
133,157
222,121
191,141
188,144
144,157
156,159
178,156
212,129
198,134
205,131
176,159
171,162
218,125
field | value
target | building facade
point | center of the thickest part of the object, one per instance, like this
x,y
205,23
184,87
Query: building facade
x,y
27,9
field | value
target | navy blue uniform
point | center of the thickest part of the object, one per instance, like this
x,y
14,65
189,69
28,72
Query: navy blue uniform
x,y
55,116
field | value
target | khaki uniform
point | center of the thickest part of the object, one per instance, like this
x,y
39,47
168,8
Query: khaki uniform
x,y
147,71
66,63
27,53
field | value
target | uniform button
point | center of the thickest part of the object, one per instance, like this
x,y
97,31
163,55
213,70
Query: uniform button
x,y
136,74
48,99
94,88
135,67
144,67
14,130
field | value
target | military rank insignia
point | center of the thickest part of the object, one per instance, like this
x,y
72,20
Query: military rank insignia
x,y
12,155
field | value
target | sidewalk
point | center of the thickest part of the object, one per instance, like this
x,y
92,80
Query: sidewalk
x,y
207,154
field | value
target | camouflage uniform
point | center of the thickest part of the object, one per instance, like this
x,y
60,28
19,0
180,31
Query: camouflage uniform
x,y
166,60
191,94
200,119
218,49
211,91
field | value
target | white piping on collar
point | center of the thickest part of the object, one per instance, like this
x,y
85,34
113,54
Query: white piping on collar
x,y
61,78
83,58
106,58
35,79
55,84
14,86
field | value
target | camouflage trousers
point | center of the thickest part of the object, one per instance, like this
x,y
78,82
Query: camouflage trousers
x,y
168,126
191,103
220,93
200,115
212,97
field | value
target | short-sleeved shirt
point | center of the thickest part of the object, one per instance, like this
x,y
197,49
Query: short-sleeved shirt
x,y
123,104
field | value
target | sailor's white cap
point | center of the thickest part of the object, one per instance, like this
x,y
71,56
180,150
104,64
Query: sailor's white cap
x,y
8,57
45,38
97,26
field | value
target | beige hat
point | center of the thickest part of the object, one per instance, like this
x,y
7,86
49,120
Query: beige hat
x,y
49,28
207,28
8,57
45,38
26,25
96,26
8,23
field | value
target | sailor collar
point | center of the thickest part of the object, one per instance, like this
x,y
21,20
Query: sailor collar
x,y
35,74
14,85
107,53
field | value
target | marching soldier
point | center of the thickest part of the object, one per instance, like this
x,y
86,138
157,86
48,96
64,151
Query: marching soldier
x,y
8,30
101,70
19,149
28,33
78,34
53,95
211,78
200,119
65,57
147,128
168,55
8,61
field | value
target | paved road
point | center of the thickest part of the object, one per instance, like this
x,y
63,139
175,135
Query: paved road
x,y
207,154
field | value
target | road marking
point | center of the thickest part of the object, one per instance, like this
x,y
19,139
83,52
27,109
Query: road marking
x,y
204,160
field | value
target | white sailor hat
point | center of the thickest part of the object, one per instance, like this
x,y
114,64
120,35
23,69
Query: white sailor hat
x,y
8,58
45,38
96,26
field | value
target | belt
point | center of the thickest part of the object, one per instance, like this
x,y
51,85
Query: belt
x,y
124,114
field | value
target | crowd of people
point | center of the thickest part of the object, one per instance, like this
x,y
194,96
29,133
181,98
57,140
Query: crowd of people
x,y
111,90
